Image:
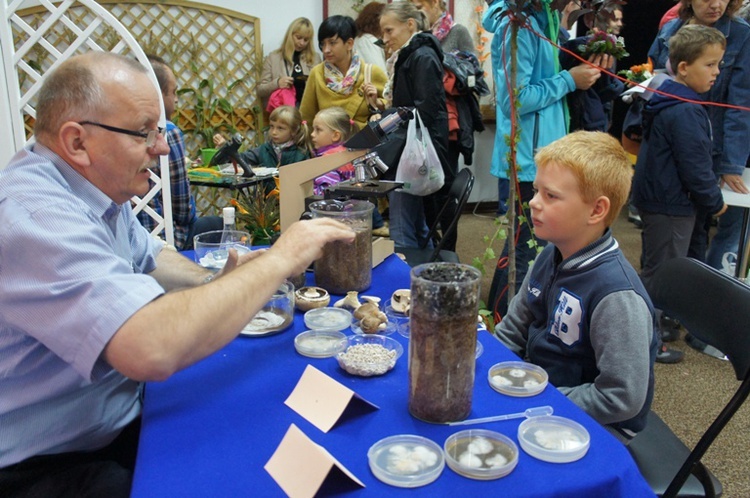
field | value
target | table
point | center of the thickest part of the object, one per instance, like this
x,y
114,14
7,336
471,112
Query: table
x,y
732,198
213,193
210,429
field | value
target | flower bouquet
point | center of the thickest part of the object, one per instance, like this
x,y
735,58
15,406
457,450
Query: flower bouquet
x,y
603,42
638,73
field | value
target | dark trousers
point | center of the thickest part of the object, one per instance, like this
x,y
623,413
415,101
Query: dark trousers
x,y
105,473
433,203
498,298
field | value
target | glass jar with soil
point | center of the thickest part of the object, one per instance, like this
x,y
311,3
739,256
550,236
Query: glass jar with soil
x,y
442,343
345,266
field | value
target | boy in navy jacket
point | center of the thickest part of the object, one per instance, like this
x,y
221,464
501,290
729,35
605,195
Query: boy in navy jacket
x,y
673,173
583,314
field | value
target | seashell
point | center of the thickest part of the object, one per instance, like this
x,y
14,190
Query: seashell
x,y
350,301
401,301
307,298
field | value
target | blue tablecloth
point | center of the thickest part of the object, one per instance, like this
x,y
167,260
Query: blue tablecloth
x,y
210,429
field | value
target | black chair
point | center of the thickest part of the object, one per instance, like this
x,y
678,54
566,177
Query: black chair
x,y
458,195
715,308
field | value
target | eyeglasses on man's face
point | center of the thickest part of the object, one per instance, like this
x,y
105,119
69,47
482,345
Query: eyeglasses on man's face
x,y
150,136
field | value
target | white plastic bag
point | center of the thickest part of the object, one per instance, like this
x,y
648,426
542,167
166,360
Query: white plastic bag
x,y
419,167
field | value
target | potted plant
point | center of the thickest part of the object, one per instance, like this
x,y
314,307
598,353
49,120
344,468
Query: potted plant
x,y
259,212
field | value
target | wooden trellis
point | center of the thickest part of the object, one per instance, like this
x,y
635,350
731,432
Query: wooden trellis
x,y
200,42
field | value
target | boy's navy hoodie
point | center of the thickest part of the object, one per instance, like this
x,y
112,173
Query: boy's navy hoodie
x,y
674,171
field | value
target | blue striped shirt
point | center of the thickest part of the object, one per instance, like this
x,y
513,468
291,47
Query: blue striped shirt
x,y
72,271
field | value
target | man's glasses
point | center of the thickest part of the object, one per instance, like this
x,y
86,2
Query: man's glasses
x,y
150,136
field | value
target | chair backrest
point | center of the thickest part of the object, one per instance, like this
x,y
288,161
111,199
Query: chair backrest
x,y
715,308
35,45
458,195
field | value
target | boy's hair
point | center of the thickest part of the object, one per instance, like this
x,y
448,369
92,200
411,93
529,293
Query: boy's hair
x,y
161,71
290,116
690,41
598,162
304,27
338,120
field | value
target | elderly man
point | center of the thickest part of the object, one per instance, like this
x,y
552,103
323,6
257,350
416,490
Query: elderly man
x,y
90,306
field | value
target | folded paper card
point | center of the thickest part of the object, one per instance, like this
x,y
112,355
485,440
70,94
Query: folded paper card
x,y
302,468
322,400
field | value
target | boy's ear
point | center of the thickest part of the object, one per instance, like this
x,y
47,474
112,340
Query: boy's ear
x,y
600,210
681,68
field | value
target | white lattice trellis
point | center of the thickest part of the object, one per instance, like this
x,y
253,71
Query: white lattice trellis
x,y
33,45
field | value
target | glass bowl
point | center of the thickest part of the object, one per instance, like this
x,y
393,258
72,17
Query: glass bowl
x,y
211,252
275,316
369,355
481,454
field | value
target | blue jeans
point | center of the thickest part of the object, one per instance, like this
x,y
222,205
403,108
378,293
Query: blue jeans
x,y
407,224
498,298
727,237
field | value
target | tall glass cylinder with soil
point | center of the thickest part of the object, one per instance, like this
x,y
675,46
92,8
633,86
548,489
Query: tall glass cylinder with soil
x,y
442,343
345,266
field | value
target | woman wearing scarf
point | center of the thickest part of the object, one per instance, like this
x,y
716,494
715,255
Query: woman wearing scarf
x,y
452,36
339,79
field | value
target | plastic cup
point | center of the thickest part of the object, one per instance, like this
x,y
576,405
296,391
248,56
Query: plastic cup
x,y
212,248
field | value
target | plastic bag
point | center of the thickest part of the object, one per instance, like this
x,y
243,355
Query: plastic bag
x,y
419,167
282,96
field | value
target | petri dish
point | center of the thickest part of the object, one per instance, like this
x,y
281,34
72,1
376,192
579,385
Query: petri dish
x,y
406,461
554,439
328,318
320,343
481,454
517,378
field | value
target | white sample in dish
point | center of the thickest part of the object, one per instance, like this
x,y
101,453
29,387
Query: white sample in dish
x,y
467,459
405,461
558,440
499,380
496,461
480,446
530,383
517,373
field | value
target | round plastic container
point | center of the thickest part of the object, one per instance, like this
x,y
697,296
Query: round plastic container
x,y
479,350
328,318
406,461
481,454
320,343
517,378
364,355
553,439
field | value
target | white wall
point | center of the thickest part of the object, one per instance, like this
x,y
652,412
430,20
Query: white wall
x,y
275,16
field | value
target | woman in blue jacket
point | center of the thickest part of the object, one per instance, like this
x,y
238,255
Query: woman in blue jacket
x,y
730,127
541,89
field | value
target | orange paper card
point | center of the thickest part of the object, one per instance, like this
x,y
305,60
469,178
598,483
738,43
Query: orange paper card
x,y
322,400
301,467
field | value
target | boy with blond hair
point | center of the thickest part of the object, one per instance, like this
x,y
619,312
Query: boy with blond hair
x,y
583,314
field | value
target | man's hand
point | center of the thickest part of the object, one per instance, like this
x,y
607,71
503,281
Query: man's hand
x,y
735,183
302,243
234,260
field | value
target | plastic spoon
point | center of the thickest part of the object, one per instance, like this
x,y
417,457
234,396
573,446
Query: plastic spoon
x,y
537,411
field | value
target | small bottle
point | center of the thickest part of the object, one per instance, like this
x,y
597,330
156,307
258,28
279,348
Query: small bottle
x,y
229,232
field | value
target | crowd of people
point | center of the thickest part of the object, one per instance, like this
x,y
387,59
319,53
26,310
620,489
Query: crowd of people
x,y
92,306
